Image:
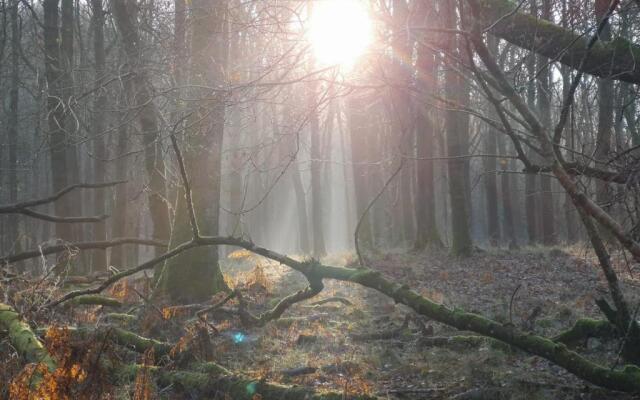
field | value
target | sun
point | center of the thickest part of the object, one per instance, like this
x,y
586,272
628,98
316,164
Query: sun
x,y
340,31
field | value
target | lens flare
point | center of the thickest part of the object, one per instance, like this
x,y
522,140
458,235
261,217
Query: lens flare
x,y
239,337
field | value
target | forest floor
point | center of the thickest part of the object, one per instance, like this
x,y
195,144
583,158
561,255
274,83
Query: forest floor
x,y
384,359
364,343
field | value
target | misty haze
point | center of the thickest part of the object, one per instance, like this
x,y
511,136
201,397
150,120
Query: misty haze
x,y
319,199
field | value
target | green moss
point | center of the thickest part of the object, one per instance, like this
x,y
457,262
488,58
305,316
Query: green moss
x,y
24,340
585,328
96,300
546,322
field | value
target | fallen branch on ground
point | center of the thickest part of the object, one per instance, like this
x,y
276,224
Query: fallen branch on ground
x,y
334,299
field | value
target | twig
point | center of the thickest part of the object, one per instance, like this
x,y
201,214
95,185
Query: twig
x,y
361,259
59,219
513,295
200,314
185,184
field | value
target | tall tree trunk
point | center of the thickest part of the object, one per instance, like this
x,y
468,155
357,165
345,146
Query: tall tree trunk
x,y
531,204
100,104
569,208
491,186
12,123
119,218
317,206
70,124
361,138
506,192
194,275
301,207
425,201
141,97
456,126
605,126
401,119
544,106
304,242
55,113
346,170
490,170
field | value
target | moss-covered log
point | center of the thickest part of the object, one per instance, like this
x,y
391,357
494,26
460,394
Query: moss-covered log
x,y
23,339
584,329
121,318
616,59
125,338
627,380
136,342
210,378
96,300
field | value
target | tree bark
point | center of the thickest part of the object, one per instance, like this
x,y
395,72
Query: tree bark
x,y
142,98
569,209
530,197
12,123
71,124
195,275
605,129
544,107
119,218
615,59
55,112
361,134
100,104
402,119
317,204
457,145
425,201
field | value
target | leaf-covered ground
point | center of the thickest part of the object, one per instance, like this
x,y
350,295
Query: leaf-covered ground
x,y
557,285
360,342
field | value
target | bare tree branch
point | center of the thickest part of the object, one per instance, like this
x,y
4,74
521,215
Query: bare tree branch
x,y
57,219
46,250
15,208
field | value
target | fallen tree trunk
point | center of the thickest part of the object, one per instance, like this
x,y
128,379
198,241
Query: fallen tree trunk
x,y
124,338
211,379
25,342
